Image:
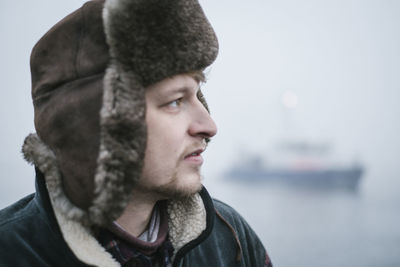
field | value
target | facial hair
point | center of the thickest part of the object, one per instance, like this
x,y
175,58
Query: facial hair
x,y
173,189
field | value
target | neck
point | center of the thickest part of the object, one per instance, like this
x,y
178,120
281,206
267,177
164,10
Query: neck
x,y
137,214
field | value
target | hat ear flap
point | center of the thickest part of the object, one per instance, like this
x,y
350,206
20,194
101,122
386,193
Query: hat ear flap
x,y
122,144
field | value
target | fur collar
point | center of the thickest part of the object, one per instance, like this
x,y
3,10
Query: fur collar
x,y
187,218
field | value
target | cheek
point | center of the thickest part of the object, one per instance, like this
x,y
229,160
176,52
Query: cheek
x,y
166,135
165,138
161,160
164,147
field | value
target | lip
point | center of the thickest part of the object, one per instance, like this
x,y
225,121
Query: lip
x,y
195,156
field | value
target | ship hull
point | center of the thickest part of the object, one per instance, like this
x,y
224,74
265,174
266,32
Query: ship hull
x,y
328,178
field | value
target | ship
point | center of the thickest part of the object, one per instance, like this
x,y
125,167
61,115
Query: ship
x,y
298,163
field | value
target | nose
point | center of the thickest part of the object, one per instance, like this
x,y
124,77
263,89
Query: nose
x,y
201,123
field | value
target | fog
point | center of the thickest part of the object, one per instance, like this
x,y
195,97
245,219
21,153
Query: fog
x,y
341,59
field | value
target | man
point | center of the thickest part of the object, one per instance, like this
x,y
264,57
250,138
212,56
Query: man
x,y
121,125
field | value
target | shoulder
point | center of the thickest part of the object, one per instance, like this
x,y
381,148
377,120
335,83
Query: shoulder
x,y
231,215
253,250
225,208
26,239
16,224
20,210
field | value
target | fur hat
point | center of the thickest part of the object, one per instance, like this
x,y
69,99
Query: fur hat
x,y
89,74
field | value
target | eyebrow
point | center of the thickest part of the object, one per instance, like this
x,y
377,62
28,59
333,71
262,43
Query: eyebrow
x,y
183,90
163,94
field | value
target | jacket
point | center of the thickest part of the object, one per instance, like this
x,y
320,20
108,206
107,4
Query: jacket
x,y
31,236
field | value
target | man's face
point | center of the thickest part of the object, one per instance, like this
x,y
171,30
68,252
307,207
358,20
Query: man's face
x,y
177,125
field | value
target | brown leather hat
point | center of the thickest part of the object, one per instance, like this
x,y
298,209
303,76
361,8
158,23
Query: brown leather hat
x,y
89,74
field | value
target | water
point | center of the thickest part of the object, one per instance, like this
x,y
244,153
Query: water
x,y
304,227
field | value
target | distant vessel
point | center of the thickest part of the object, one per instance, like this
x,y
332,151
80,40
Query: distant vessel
x,y
299,163
296,161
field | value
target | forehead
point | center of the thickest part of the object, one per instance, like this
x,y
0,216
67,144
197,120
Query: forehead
x,y
182,83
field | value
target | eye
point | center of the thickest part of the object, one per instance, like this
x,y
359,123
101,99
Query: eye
x,y
176,103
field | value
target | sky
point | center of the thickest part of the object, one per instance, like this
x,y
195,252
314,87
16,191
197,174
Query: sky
x,y
339,58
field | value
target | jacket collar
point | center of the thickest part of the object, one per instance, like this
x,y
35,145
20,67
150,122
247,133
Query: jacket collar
x,y
43,203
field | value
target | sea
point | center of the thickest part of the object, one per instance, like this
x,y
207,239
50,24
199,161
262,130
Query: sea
x,y
321,227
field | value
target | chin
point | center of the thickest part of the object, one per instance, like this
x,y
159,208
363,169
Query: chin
x,y
181,187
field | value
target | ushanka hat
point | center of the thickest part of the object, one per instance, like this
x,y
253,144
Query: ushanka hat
x,y
89,74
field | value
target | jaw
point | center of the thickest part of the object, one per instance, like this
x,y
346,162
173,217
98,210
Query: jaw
x,y
180,185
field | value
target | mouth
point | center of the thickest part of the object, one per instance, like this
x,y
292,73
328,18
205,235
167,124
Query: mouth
x,y
195,157
195,153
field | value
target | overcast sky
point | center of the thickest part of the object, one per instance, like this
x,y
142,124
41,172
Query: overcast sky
x,y
340,58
